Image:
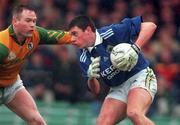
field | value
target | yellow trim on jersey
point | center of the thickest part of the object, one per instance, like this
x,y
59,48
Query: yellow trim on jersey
x,y
149,77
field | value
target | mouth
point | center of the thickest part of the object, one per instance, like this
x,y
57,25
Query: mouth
x,y
74,43
31,31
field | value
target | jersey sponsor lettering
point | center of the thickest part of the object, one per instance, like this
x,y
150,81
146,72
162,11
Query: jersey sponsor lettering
x,y
110,72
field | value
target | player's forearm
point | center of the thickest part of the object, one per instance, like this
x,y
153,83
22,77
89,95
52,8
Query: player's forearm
x,y
94,85
54,36
60,37
146,32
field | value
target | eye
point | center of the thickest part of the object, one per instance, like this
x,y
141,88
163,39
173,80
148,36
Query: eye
x,y
34,21
74,33
28,20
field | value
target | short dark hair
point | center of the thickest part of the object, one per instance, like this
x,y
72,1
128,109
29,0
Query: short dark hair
x,y
20,7
82,22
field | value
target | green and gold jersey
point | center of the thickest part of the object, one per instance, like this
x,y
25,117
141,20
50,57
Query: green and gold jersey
x,y
13,54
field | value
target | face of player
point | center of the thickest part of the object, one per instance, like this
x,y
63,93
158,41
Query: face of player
x,y
82,39
25,23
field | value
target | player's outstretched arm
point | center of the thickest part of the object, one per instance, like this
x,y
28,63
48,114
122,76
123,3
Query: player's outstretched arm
x,y
54,36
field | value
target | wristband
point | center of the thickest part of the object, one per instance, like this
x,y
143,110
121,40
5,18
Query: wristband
x,y
136,48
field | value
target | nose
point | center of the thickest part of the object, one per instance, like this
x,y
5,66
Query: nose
x,y
32,25
73,39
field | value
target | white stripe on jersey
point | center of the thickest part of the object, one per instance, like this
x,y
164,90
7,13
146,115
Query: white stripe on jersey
x,y
107,34
83,56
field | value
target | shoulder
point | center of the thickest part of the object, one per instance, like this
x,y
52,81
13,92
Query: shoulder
x,y
137,19
4,37
106,31
4,34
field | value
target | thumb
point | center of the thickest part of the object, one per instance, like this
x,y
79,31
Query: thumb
x,y
92,58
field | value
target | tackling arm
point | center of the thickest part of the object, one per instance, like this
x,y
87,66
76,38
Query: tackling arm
x,y
54,36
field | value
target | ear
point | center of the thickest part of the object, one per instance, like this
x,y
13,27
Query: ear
x,y
88,29
14,20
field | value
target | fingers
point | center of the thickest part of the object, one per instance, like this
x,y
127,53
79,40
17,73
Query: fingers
x,y
92,58
96,63
96,75
97,59
94,72
94,69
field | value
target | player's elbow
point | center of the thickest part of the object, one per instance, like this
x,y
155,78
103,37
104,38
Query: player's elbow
x,y
149,26
153,26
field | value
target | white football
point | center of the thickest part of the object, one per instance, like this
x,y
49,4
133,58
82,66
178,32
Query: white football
x,y
119,51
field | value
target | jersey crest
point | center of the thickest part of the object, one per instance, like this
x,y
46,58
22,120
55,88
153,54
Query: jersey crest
x,y
105,58
30,45
109,48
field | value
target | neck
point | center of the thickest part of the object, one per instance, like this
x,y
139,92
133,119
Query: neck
x,y
20,38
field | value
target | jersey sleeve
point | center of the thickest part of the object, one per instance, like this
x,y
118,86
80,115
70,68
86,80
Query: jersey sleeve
x,y
127,29
3,52
133,25
53,36
84,62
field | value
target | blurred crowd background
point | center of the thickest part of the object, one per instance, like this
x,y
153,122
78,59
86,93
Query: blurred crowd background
x,y
52,73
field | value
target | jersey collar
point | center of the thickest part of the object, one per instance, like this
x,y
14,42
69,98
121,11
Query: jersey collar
x,y
12,33
11,30
97,41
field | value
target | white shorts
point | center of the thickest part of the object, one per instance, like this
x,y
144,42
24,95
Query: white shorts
x,y
8,93
145,79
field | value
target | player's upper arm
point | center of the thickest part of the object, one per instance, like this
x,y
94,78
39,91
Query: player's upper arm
x,y
53,36
148,26
3,52
126,29
133,25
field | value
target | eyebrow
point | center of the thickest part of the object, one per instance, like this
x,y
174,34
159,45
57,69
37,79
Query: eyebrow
x,y
31,18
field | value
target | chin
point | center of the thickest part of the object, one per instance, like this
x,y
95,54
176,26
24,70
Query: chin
x,y
28,35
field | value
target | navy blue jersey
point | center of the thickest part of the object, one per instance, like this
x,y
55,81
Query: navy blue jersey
x,y
106,38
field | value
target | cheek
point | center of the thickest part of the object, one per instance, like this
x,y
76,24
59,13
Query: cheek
x,y
23,27
23,23
84,40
